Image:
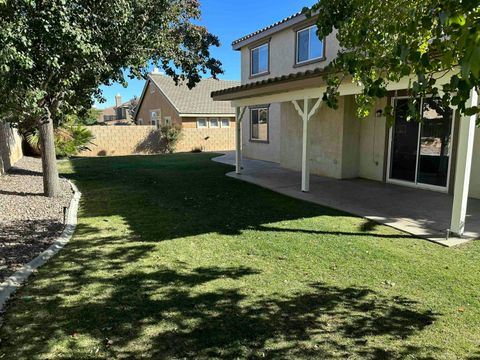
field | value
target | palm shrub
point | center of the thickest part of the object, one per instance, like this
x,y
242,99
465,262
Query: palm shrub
x,y
70,139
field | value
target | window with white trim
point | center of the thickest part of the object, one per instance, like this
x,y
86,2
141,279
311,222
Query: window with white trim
x,y
309,46
153,118
225,122
202,123
214,123
140,121
259,124
167,120
259,58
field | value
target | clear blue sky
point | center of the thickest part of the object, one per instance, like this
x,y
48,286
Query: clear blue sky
x,y
229,20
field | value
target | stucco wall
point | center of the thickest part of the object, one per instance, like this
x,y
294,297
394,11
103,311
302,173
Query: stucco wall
x,y
10,147
156,101
259,150
282,55
372,153
475,178
325,140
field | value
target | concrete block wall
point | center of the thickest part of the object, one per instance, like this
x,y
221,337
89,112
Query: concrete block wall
x,y
129,140
10,147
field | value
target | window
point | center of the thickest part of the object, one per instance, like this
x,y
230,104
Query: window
x,y
140,121
259,60
214,123
201,123
259,124
153,118
309,46
167,120
225,123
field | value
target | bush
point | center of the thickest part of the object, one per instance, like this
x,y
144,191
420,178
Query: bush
x,y
170,135
70,139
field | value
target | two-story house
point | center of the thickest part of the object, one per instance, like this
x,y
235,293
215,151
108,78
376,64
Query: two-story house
x,y
281,118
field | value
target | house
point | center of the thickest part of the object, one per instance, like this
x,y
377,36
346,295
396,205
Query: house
x,y
281,119
206,124
120,114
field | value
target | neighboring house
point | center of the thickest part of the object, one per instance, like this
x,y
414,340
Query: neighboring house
x,y
120,114
207,125
284,120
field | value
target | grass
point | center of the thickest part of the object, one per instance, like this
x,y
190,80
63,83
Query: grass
x,y
171,259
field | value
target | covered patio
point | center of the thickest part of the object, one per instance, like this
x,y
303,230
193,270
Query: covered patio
x,y
423,213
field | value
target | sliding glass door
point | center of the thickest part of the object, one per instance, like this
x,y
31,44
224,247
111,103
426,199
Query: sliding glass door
x,y
420,151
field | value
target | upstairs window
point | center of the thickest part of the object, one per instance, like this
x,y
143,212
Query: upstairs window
x,y
309,46
259,60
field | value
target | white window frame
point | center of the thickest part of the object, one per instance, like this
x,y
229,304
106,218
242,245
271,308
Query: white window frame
x,y
139,121
200,126
210,123
268,60
228,123
319,58
167,120
259,108
153,118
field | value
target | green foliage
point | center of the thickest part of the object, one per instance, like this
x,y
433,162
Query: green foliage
x,y
54,54
170,135
70,138
383,41
89,117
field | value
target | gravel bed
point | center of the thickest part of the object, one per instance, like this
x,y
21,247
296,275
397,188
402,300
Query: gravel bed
x,y
29,222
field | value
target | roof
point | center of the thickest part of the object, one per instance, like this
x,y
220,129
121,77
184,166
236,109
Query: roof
x,y
266,28
318,72
198,99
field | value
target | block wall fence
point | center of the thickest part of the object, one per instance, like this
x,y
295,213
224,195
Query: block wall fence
x,y
129,140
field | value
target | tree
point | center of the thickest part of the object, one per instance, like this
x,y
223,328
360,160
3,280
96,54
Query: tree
x,y
54,54
89,117
383,41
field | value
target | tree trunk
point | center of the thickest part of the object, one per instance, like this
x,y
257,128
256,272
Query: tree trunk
x,y
51,182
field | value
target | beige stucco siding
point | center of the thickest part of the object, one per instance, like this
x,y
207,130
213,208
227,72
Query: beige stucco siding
x,y
475,178
260,150
282,56
325,140
156,101
372,146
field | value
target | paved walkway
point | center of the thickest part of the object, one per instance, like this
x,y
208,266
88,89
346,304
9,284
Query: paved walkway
x,y
419,212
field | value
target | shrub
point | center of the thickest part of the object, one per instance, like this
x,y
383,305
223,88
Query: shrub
x,y
70,139
170,135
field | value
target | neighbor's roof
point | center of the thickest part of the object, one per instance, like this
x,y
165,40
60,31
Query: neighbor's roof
x,y
198,99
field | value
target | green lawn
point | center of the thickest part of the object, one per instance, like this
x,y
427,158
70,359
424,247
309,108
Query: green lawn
x,y
172,259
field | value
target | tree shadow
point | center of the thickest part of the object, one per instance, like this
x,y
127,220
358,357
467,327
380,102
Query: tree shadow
x,y
153,143
22,241
322,321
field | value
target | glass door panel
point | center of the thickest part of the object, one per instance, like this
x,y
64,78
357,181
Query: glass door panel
x,y
403,164
435,143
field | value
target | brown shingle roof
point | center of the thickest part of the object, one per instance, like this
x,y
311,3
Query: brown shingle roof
x,y
196,100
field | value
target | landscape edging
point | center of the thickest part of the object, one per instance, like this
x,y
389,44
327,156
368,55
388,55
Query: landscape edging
x,y
15,281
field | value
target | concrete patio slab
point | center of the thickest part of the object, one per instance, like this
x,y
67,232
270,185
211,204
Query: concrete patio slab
x,y
422,213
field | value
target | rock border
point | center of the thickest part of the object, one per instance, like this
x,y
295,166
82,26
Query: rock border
x,y
15,281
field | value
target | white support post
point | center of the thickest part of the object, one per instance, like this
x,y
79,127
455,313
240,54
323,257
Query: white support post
x,y
238,139
463,169
305,162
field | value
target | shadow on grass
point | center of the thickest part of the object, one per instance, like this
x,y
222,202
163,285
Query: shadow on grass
x,y
322,321
201,312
